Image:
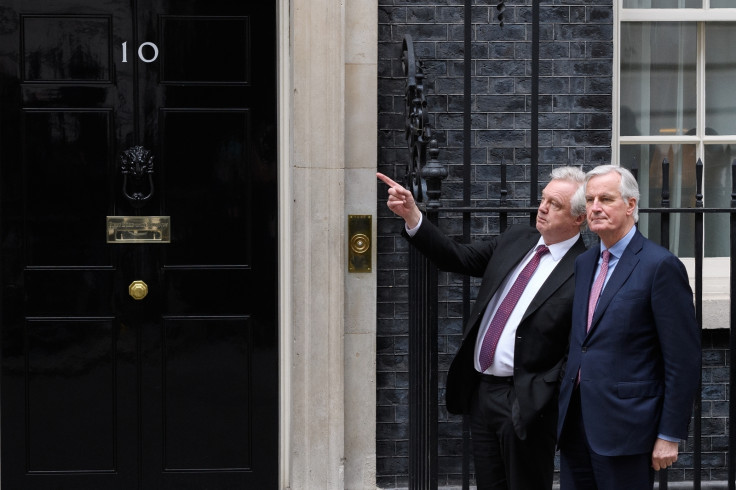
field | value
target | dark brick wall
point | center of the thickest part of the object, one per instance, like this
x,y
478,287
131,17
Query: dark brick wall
x,y
715,408
575,100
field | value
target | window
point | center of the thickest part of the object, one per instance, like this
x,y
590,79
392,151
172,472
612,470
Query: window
x,y
676,99
677,74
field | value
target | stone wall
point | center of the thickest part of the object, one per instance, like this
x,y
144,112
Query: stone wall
x,y
327,152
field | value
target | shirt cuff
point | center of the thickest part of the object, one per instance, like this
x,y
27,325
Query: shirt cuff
x,y
668,438
413,231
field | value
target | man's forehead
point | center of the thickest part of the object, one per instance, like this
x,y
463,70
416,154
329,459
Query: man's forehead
x,y
559,186
602,185
602,192
610,178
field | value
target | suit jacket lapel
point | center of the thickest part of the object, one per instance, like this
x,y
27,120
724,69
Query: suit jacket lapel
x,y
621,273
559,275
508,257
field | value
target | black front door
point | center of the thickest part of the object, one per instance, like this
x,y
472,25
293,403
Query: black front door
x,y
132,364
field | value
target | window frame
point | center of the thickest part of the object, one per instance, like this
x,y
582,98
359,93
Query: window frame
x,y
716,285
699,16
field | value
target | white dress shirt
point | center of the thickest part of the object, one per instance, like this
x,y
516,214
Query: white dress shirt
x,y
503,359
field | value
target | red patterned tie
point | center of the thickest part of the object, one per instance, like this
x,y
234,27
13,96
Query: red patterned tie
x,y
597,287
490,341
596,292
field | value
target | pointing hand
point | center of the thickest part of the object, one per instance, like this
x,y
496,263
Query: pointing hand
x,y
401,202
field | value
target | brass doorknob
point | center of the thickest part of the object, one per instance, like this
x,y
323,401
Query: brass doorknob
x,y
138,290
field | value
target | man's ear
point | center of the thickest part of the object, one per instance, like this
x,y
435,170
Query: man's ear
x,y
631,204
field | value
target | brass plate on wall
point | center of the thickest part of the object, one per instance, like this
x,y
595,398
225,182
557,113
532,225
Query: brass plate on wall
x,y
138,229
360,243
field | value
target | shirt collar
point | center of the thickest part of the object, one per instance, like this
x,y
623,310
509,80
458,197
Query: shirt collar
x,y
618,248
559,249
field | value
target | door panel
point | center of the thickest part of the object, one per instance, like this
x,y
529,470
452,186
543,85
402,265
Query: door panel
x,y
217,394
71,400
66,48
207,185
177,390
66,161
221,44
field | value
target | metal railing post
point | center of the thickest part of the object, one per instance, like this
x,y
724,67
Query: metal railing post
x,y
424,179
697,409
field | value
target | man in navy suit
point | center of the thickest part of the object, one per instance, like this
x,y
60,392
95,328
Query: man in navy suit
x,y
634,361
511,398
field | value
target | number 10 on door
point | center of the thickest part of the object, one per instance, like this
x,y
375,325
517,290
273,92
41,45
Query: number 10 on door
x,y
141,55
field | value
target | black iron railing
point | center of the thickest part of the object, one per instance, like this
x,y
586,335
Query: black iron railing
x,y
424,177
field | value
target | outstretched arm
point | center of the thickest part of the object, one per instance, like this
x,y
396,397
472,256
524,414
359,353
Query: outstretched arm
x,y
446,253
401,202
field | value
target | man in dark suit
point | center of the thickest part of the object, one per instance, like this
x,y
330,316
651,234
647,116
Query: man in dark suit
x,y
506,373
634,360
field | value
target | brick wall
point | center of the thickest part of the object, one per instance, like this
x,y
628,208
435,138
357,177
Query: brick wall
x,y
715,408
576,50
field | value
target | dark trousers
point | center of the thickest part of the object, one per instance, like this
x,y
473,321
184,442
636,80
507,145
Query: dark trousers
x,y
502,460
582,469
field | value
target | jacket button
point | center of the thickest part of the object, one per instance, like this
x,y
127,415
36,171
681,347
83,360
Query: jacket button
x,y
585,349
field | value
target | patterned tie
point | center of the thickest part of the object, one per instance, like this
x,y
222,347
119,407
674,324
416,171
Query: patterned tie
x,y
597,287
490,341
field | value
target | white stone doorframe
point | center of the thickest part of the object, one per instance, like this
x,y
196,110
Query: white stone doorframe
x,y
327,93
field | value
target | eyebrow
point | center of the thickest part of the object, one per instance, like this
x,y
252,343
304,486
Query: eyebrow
x,y
605,194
